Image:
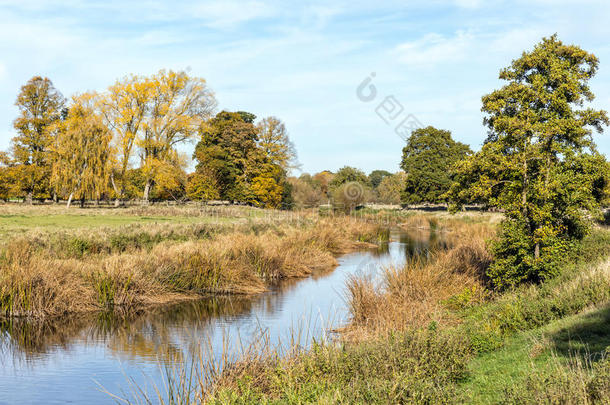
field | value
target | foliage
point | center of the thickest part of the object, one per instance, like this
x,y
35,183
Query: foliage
x,y
377,176
539,163
427,159
274,141
348,174
82,155
390,188
155,114
40,105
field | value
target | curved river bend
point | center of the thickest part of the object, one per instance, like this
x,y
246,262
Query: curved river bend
x,y
69,362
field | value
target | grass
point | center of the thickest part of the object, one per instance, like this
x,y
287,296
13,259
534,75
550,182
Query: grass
x,y
62,271
434,334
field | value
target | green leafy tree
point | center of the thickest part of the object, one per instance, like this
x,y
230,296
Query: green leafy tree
x,y
376,176
427,160
40,105
539,163
349,188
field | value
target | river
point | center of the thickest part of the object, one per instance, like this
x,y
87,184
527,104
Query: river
x,y
78,360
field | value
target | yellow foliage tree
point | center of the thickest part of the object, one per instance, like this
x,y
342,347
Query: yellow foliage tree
x,y
81,151
274,141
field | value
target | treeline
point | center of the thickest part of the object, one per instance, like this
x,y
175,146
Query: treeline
x,y
122,144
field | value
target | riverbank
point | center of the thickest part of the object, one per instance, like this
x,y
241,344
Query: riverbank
x,y
59,269
434,333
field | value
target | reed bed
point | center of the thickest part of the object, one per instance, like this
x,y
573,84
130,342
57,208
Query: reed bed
x,y
420,291
94,273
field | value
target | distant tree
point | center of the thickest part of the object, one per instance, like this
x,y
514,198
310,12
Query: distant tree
x,y
349,188
305,192
376,176
391,187
202,186
227,151
349,174
539,163
427,160
247,116
40,105
273,139
81,151
324,179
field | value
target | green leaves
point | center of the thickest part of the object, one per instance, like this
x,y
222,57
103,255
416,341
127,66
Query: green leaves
x,y
539,163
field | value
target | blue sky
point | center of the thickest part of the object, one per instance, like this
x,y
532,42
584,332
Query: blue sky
x,y
302,61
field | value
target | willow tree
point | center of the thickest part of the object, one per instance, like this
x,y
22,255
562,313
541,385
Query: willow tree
x,y
40,105
539,163
82,152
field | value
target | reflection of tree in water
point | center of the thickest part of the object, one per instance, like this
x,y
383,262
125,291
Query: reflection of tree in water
x,y
155,334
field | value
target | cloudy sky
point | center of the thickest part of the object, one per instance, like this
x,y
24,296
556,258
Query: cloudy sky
x,y
303,61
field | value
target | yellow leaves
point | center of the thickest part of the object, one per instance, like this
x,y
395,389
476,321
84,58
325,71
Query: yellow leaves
x,y
267,192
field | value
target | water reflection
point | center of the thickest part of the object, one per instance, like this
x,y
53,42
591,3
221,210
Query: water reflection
x,y
66,360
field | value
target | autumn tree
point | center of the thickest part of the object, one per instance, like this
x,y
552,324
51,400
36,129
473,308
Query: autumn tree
x,y
81,151
226,154
427,160
349,188
151,116
178,105
124,107
274,141
391,187
40,105
539,163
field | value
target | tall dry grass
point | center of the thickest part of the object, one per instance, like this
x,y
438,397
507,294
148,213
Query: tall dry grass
x,y
35,281
421,290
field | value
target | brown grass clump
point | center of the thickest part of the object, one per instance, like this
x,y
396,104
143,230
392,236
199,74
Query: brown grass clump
x,y
37,282
421,291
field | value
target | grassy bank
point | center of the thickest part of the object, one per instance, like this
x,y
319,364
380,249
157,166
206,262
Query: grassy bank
x,y
434,333
64,270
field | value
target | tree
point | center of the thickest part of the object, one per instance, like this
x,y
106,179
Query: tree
x,y
273,139
124,108
539,162
228,153
305,192
348,174
391,187
427,159
155,114
324,179
82,153
376,176
349,188
40,105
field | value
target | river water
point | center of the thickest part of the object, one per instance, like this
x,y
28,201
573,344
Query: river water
x,y
81,360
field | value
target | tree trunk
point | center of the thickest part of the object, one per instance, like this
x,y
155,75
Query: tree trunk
x,y
28,198
70,200
82,202
147,191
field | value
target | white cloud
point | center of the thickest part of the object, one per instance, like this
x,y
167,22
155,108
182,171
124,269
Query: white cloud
x,y
434,48
229,14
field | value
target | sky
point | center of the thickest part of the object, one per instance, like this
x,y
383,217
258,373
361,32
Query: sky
x,y
342,75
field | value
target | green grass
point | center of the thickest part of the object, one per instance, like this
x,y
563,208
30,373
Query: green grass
x,y
17,224
585,336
